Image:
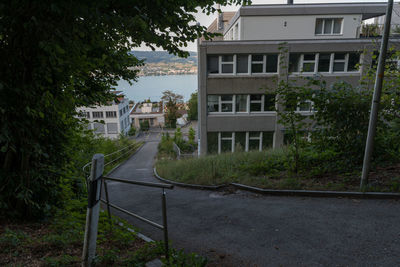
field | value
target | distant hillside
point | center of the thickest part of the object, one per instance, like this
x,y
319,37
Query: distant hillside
x,y
165,57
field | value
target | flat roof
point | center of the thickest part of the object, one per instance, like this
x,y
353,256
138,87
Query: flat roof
x,y
367,10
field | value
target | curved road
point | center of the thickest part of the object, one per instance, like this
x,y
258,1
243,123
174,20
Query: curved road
x,y
245,229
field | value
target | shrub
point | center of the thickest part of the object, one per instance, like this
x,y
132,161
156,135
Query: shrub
x,y
132,131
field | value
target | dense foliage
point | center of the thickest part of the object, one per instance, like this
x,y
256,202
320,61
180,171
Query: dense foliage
x,y
338,118
171,101
58,55
193,105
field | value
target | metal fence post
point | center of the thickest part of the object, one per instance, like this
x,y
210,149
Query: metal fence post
x,y
92,214
164,213
108,205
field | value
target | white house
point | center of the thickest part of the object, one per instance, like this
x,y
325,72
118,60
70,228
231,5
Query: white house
x,y
109,120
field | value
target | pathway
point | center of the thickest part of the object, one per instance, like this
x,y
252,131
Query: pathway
x,y
246,229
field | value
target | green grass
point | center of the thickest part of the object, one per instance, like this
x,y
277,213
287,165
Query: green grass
x,y
273,169
59,242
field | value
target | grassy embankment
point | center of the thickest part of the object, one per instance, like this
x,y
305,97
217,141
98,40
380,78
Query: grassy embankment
x,y
272,169
58,239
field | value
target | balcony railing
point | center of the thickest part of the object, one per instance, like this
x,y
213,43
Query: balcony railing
x,y
376,30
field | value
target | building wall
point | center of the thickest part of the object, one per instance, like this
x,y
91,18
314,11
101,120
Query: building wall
x,y
292,27
220,84
121,120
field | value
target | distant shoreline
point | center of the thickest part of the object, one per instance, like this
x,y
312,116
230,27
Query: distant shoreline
x,y
174,74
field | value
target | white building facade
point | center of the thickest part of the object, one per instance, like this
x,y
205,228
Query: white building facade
x,y
110,120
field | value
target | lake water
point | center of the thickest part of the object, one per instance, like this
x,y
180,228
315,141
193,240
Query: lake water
x,y
153,86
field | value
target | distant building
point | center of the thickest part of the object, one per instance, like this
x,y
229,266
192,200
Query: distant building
x,y
148,111
110,120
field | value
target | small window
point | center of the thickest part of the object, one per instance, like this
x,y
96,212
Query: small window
x,y
267,140
269,102
98,127
112,128
294,62
255,103
242,64
308,63
226,103
328,26
212,142
213,103
324,62
111,114
241,103
305,106
226,142
212,64
227,64
272,64
240,141
339,62
354,61
254,140
257,62
97,114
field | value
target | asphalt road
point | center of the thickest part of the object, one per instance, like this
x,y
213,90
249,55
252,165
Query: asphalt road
x,y
245,229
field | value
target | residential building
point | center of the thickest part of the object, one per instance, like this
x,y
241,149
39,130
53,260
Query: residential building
x,y
153,112
263,44
108,120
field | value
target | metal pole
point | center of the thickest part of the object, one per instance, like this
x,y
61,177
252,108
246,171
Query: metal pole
x,y
92,214
164,213
376,98
108,205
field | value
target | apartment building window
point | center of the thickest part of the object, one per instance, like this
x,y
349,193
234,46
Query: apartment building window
x,y
97,114
98,127
353,62
255,140
328,26
242,64
227,63
213,64
241,103
339,62
226,142
255,103
324,62
257,63
227,103
308,63
269,102
112,128
213,103
305,106
219,142
111,114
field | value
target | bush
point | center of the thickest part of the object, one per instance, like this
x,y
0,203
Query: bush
x,y
132,131
144,126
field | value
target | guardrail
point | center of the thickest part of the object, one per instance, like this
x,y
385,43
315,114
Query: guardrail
x,y
179,153
376,30
95,182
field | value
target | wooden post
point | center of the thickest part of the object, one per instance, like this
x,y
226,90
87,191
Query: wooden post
x,y
92,214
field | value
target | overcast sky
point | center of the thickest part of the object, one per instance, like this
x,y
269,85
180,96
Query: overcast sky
x,y
207,20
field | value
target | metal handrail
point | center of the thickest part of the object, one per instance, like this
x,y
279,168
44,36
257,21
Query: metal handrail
x,y
89,163
159,185
163,227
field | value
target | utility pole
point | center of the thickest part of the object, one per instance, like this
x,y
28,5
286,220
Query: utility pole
x,y
376,98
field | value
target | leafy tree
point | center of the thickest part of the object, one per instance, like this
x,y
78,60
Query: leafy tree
x,y
171,101
192,135
192,113
59,55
